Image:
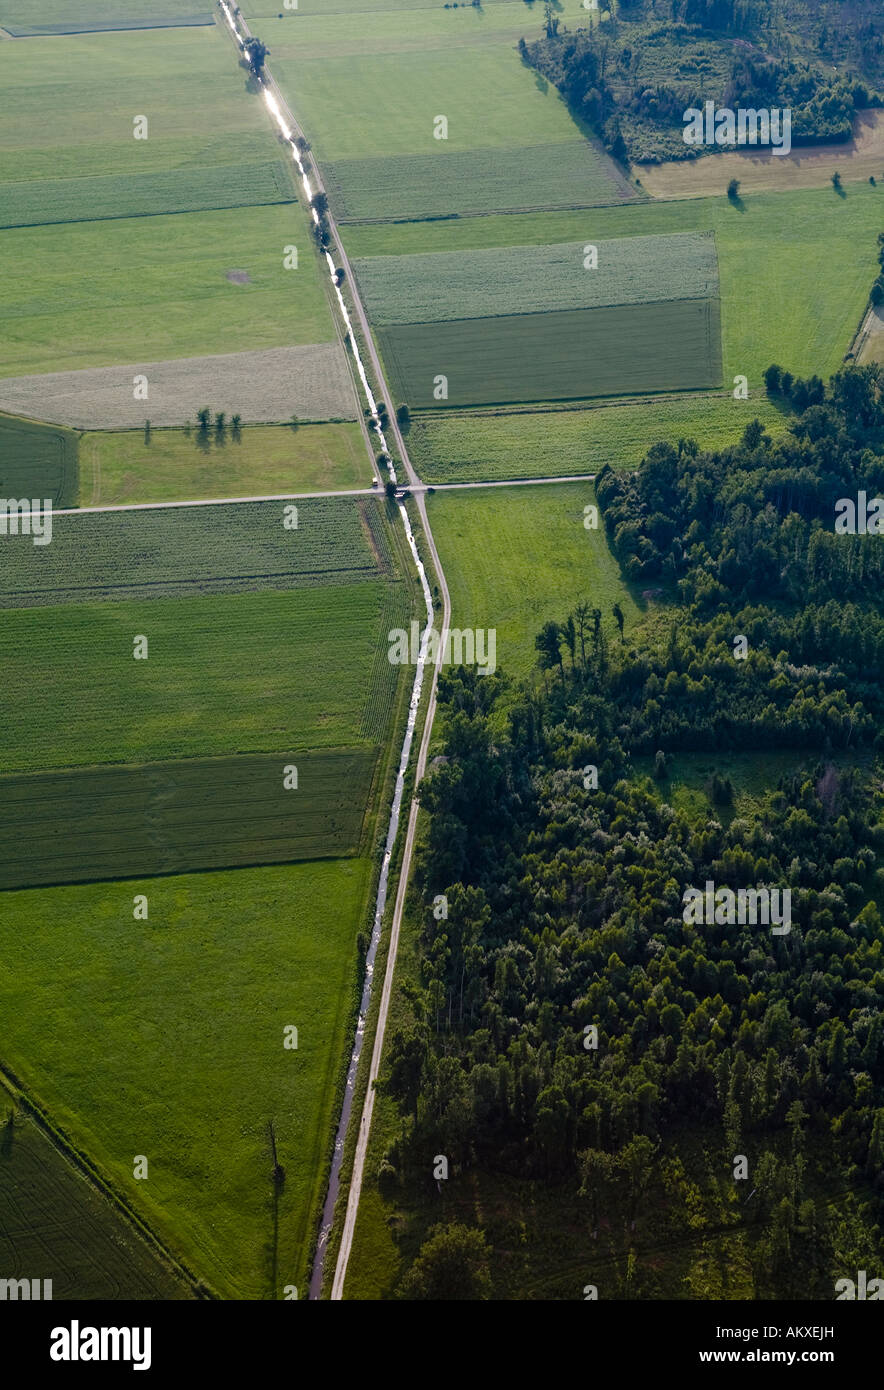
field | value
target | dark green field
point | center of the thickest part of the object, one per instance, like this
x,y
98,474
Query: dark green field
x,y
57,1226
37,461
559,356
37,201
166,818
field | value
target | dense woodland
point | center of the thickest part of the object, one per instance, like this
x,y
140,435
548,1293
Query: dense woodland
x,y
562,871
632,79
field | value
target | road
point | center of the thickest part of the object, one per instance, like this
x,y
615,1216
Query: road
x,y
419,490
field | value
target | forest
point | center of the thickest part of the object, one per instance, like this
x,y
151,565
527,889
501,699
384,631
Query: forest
x,y
571,1030
632,79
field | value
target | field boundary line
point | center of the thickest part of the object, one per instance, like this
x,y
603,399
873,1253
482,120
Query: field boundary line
x,y
90,1171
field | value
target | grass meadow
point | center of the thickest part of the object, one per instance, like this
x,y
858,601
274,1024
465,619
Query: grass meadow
x,y
173,466
92,294
164,1038
483,445
46,13
516,558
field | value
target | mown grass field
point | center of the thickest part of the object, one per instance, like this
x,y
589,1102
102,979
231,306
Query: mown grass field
x,y
200,550
237,673
189,1009
57,1226
91,294
537,279
264,460
515,559
43,14
164,818
38,461
324,31
557,356
71,102
795,268
481,445
36,202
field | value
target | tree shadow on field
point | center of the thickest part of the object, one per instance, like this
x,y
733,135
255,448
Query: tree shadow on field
x,y
541,83
736,202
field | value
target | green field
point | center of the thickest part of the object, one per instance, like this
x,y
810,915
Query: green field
x,y
236,673
70,105
36,202
559,356
264,460
515,558
796,268
57,1226
163,818
324,31
486,446
532,279
38,461
24,16
91,294
189,1009
199,550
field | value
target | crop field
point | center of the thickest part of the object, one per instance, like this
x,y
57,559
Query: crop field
x,y
90,294
175,817
565,174
38,461
515,559
260,460
557,356
338,34
795,268
224,675
190,1008
537,279
36,202
493,446
312,382
260,9
57,1226
197,550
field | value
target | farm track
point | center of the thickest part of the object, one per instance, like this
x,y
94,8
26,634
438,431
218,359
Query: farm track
x,y
419,489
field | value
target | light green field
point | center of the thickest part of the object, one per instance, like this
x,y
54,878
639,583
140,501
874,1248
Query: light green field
x,y
259,9
484,446
796,268
537,279
265,460
164,1039
516,558
92,294
70,104
61,12
357,29
377,105
225,674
